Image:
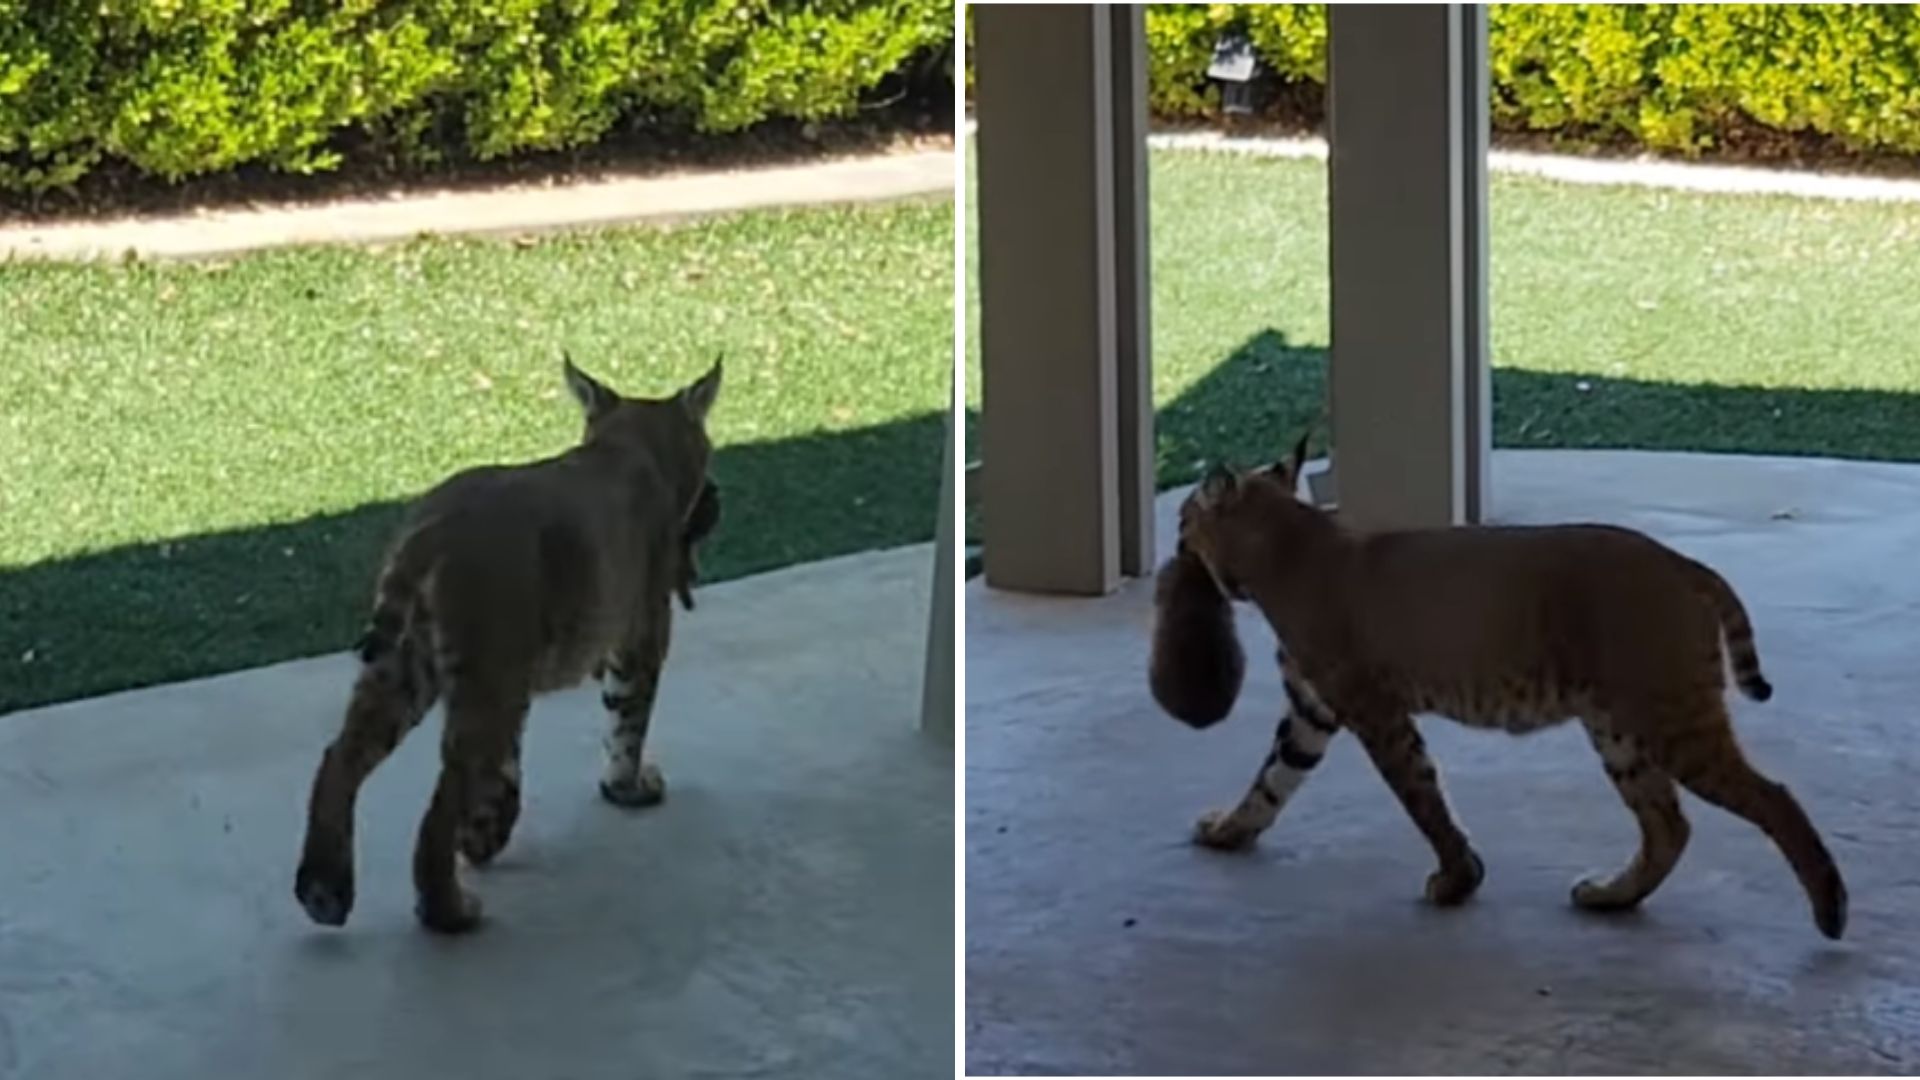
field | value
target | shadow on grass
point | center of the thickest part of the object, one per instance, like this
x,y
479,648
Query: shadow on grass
x,y
161,612
1259,398
1256,401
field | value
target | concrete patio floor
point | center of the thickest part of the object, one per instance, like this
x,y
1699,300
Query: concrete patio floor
x,y
1099,941
787,912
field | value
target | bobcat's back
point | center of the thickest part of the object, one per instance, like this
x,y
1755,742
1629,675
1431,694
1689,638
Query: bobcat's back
x,y
536,569
1523,627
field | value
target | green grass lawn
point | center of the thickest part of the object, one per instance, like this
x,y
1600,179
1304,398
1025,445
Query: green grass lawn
x,y
1620,317
200,462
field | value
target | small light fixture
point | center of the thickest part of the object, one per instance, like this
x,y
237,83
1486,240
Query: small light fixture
x,y
1234,66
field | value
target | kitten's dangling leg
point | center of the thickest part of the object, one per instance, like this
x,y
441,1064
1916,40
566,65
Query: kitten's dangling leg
x,y
1400,754
1298,746
1649,792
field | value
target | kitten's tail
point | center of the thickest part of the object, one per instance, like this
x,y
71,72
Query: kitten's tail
x,y
1738,631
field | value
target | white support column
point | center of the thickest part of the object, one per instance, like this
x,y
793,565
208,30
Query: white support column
x,y
936,688
1407,214
1133,293
1476,372
1067,428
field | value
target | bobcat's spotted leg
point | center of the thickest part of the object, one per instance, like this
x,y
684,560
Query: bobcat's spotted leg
x,y
395,689
494,809
1400,754
1706,759
1649,792
1298,746
481,727
633,680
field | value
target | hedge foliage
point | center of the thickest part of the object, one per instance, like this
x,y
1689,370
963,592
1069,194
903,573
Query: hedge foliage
x,y
1669,76
180,87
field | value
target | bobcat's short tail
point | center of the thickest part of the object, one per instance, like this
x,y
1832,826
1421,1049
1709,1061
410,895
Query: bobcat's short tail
x,y
401,615
1738,632
399,645
396,605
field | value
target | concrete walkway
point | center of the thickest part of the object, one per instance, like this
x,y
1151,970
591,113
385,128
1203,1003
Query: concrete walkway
x,y
514,209
1641,171
787,912
1644,170
1100,941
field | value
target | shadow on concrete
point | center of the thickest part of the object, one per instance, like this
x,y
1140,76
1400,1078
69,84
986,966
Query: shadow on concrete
x,y
154,613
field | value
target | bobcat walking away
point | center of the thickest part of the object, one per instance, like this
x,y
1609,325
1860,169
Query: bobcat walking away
x,y
1518,628
506,582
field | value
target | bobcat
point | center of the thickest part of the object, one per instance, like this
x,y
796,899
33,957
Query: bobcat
x,y
1511,627
506,582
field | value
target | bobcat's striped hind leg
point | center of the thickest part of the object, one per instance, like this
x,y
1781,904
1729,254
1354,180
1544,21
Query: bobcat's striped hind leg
x,y
1699,750
1298,745
483,723
493,808
396,687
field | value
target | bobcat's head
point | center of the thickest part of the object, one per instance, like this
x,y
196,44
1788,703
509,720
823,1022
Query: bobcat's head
x,y
670,431
1227,521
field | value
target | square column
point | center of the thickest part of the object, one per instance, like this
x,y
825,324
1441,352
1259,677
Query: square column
x,y
1407,215
1067,421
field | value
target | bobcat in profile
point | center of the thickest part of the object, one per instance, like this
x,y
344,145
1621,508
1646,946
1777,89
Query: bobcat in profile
x,y
1515,628
506,582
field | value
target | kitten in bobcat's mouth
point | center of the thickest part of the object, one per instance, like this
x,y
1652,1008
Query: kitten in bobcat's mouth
x,y
700,522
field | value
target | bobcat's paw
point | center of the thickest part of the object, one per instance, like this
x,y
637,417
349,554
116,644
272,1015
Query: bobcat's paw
x,y
325,889
1598,893
454,913
1452,885
1830,905
1222,831
644,786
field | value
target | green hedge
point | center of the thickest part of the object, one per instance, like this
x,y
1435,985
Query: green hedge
x,y
180,87
1669,76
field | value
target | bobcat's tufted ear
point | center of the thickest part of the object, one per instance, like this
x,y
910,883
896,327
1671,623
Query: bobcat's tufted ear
x,y
593,397
1288,470
698,398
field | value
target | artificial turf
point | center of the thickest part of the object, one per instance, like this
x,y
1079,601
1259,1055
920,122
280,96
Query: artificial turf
x,y
200,461
1620,317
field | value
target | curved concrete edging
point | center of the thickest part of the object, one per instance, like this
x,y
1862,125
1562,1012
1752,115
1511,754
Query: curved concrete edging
x,y
511,209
